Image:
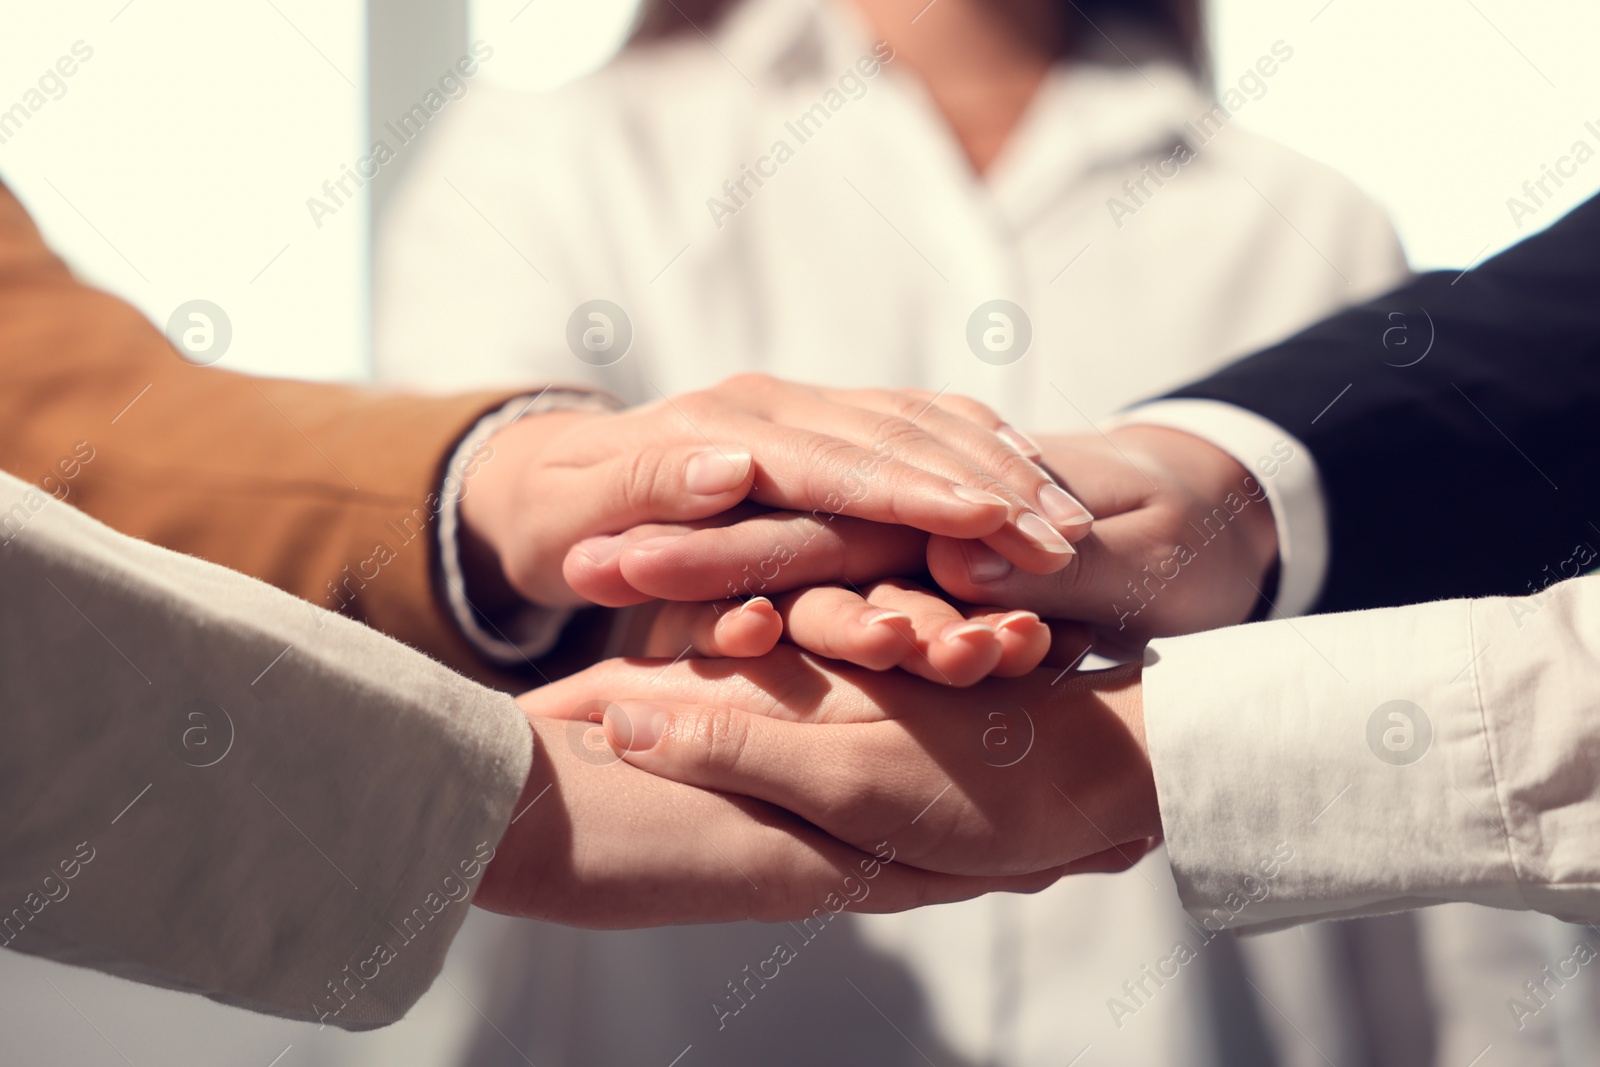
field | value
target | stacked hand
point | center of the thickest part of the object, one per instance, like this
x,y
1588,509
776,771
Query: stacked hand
x,y
918,551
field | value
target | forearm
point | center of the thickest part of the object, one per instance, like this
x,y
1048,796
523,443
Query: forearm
x,y
304,799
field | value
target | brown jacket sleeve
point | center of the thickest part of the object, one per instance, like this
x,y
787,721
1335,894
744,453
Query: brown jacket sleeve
x,y
329,492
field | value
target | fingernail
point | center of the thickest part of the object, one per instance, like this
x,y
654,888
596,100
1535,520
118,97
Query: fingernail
x,y
602,550
957,630
1043,535
1019,441
634,727
755,603
716,471
882,616
977,496
1015,619
1062,508
984,564
654,544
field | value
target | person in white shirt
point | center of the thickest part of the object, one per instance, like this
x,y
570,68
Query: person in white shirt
x,y
789,194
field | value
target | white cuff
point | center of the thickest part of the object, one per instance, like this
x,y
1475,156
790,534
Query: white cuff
x,y
1287,473
532,630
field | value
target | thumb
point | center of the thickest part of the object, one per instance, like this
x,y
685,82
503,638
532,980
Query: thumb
x,y
808,768
649,484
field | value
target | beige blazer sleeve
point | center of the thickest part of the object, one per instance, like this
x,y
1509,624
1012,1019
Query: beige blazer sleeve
x,y
212,786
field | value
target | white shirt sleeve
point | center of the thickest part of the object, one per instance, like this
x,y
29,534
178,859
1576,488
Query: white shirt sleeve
x,y
210,785
1362,763
1287,472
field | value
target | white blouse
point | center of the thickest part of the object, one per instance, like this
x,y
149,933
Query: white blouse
x,y
863,251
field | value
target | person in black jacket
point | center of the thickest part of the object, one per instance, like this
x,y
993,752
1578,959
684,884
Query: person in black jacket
x,y
1438,441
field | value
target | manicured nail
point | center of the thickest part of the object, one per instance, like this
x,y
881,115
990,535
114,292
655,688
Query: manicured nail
x,y
716,471
1062,508
882,617
972,628
1043,535
977,496
1019,441
634,727
655,544
1016,619
756,604
984,564
602,551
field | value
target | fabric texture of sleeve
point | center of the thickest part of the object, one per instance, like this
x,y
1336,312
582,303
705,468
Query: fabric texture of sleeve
x,y
1368,762
212,786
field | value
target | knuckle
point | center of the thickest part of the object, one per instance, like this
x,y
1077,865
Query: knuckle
x,y
898,432
972,410
718,735
896,403
637,484
829,474
752,382
697,404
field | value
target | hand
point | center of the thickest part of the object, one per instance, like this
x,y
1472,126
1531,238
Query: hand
x,y
597,843
886,624
1014,776
1183,541
562,477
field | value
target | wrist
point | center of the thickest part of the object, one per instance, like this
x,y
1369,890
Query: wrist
x,y
1214,479
495,513
1123,794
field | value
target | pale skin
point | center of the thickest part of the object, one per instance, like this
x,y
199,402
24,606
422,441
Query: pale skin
x,y
981,60
815,737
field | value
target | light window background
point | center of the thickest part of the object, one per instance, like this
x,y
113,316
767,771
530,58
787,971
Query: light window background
x,y
178,162
1439,109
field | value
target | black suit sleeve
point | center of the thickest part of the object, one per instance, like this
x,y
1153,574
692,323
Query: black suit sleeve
x,y
1472,469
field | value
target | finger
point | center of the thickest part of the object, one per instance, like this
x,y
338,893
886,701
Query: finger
x,y
1088,591
802,768
839,623
667,483
785,682
592,567
946,646
765,555
833,776
1024,639
983,415
718,628
976,431
852,467
978,456
650,851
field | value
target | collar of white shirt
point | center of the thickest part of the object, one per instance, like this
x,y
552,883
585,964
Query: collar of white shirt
x,y
1086,115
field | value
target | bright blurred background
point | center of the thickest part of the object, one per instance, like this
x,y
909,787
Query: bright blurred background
x,y
179,160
